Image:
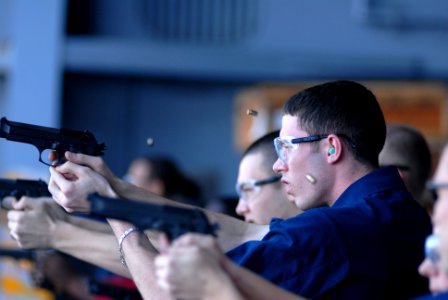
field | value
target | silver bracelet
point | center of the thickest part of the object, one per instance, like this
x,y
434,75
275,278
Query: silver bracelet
x,y
120,242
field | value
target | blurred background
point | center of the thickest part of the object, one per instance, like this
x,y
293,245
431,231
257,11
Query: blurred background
x,y
175,78
184,72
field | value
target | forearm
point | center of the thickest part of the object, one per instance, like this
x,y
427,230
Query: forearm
x,y
227,292
94,247
221,287
90,224
254,287
130,191
139,256
231,232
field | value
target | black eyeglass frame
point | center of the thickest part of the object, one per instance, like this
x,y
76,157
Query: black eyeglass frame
x,y
272,179
318,137
256,184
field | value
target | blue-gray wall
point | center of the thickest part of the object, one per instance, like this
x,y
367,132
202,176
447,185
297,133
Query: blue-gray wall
x,y
169,69
189,121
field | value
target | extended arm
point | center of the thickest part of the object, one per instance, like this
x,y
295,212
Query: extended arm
x,y
93,175
37,223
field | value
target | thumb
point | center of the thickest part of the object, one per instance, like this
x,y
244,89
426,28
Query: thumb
x,y
164,243
22,204
7,202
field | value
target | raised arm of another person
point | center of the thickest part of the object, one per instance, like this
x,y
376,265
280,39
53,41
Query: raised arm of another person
x,y
194,267
138,256
82,175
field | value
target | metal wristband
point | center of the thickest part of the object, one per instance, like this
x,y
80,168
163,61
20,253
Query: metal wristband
x,y
121,240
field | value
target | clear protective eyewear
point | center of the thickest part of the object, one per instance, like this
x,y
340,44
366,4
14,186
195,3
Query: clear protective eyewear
x,y
431,249
433,188
285,144
248,189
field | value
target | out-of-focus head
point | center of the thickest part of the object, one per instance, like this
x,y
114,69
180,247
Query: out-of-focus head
x,y
435,265
261,195
432,266
341,119
407,149
162,176
140,174
439,184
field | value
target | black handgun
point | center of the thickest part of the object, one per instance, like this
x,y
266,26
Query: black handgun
x,y
172,220
48,139
23,187
18,254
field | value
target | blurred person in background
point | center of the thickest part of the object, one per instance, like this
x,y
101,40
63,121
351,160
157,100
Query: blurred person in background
x,y
435,265
407,149
161,175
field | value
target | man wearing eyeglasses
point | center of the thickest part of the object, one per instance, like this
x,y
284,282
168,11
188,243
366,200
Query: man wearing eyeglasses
x,y
435,265
261,195
360,236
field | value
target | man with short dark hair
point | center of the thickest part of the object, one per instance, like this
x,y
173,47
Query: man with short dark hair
x,y
370,236
261,195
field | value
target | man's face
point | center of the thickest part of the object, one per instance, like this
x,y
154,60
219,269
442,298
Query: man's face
x,y
262,203
437,273
301,162
440,217
139,174
433,269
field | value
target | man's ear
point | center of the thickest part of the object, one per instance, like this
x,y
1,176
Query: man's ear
x,y
334,148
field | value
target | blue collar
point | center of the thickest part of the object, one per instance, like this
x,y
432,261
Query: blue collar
x,y
381,179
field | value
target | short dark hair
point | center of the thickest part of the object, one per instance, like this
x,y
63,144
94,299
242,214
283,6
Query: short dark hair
x,y
342,107
407,145
265,145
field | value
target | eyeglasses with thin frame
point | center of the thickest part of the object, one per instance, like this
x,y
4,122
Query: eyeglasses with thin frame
x,y
433,188
249,188
284,145
432,249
